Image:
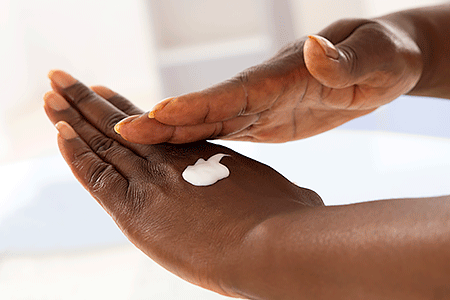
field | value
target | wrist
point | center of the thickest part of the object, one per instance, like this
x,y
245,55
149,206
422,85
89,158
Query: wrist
x,y
267,261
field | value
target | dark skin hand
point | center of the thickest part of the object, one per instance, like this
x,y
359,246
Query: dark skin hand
x,y
195,232
309,87
253,234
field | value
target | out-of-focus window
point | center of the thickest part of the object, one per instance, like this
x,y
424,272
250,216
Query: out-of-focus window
x,y
100,42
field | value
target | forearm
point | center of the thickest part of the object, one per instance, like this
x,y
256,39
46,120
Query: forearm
x,y
396,249
429,27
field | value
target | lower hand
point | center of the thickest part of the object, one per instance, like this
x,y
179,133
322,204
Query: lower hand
x,y
195,232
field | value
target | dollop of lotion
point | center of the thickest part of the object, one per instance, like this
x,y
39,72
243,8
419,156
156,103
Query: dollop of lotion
x,y
207,172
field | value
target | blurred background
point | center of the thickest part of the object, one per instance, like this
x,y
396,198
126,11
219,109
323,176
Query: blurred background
x,y
57,243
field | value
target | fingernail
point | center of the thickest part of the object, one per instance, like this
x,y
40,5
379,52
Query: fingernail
x,y
103,91
65,130
328,47
55,101
160,106
61,78
151,114
127,120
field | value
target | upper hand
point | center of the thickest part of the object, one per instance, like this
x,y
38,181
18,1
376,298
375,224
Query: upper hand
x,y
306,89
195,232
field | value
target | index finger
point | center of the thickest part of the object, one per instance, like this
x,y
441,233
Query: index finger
x,y
117,100
250,92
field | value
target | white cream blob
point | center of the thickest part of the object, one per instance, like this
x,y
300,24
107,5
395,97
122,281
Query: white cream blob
x,y
207,172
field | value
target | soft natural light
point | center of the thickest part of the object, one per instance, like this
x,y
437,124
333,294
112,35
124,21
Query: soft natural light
x,y
56,242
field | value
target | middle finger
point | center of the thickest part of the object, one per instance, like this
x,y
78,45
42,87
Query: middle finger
x,y
122,158
96,110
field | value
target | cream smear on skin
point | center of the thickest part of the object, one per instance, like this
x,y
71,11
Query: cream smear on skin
x,y
207,172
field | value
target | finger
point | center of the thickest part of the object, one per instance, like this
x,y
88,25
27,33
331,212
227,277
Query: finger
x,y
100,178
99,112
328,64
143,130
216,104
251,92
368,56
117,100
58,109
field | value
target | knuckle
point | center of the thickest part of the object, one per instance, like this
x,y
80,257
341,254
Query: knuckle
x,y
104,183
100,144
78,122
243,77
137,199
111,120
106,148
100,179
217,130
80,93
99,175
82,158
351,57
163,173
109,149
95,173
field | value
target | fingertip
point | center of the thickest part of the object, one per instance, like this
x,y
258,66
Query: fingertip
x,y
103,91
187,109
61,79
65,130
118,127
327,47
160,106
143,130
325,69
54,87
55,101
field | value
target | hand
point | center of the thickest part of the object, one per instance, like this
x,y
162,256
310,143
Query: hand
x,y
309,87
195,232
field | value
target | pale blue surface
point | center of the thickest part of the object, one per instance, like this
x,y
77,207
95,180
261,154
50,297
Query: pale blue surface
x,y
407,114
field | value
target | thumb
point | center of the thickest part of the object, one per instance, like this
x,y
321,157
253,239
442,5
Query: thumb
x,y
367,56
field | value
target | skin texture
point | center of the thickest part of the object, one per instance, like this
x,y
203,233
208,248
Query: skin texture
x,y
307,88
253,234
195,232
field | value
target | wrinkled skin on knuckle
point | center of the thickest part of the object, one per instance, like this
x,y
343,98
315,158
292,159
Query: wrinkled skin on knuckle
x,y
82,160
78,122
105,185
80,93
242,77
101,145
112,120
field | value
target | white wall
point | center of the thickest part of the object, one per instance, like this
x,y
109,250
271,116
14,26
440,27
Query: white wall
x,y
100,42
